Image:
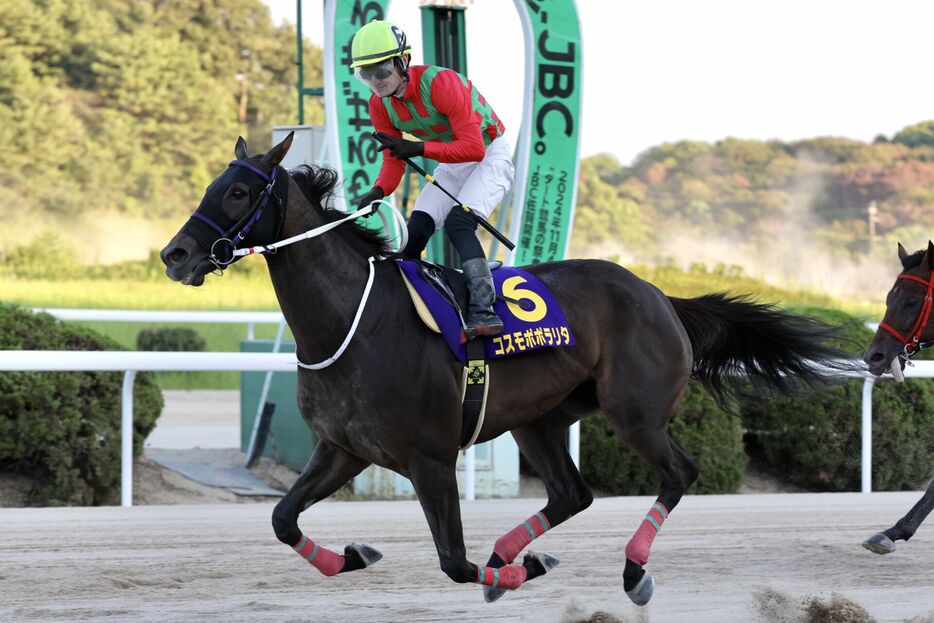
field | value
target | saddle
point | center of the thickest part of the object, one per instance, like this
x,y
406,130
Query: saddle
x,y
449,284
532,319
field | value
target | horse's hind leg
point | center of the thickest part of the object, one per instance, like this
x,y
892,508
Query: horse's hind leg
x,y
435,485
546,450
884,542
328,469
677,472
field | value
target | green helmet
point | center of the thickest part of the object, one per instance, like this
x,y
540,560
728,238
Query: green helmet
x,y
376,42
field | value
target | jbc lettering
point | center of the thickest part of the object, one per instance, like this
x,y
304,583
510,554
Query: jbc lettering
x,y
556,81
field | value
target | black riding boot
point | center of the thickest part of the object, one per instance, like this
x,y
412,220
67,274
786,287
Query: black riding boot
x,y
481,319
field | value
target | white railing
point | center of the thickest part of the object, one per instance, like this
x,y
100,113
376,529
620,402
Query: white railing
x,y
249,318
919,370
131,362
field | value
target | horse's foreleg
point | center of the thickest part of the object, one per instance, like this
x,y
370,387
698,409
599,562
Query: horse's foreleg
x,y
568,494
328,469
436,486
884,542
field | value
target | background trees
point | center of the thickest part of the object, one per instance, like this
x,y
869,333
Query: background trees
x,y
116,110
133,106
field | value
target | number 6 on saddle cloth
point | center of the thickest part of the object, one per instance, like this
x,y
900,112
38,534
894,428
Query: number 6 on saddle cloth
x,y
532,318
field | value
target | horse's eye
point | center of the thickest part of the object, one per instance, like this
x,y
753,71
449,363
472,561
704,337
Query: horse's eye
x,y
912,301
238,193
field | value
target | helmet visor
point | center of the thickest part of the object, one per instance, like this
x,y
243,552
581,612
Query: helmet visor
x,y
376,71
379,77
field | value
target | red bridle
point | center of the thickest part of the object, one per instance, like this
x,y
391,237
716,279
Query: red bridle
x,y
912,341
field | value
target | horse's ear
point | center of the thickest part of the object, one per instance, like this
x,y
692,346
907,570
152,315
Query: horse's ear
x,y
929,256
275,155
240,150
902,253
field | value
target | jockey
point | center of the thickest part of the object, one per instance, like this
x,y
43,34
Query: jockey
x,y
459,129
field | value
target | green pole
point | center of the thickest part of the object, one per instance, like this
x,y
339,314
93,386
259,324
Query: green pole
x,y
302,89
445,45
301,69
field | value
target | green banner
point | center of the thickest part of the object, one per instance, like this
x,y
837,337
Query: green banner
x,y
350,148
549,143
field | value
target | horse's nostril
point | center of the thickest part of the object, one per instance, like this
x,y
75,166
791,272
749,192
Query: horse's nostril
x,y
176,255
875,357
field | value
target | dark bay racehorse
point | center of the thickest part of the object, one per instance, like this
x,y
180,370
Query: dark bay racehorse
x,y
904,330
393,398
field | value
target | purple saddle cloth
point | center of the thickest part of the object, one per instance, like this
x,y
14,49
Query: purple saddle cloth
x,y
533,321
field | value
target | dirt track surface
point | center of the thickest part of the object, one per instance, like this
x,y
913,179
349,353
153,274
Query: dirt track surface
x,y
713,561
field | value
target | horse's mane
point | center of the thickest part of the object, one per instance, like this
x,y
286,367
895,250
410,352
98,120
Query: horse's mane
x,y
913,260
318,184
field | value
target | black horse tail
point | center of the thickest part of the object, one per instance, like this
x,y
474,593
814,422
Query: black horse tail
x,y
736,339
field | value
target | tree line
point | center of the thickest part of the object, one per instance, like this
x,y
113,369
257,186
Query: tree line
x,y
134,105
760,190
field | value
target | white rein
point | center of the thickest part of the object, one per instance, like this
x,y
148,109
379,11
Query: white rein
x,y
317,231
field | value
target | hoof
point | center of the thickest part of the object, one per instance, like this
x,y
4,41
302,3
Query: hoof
x,y
357,556
538,563
491,594
642,592
879,543
535,563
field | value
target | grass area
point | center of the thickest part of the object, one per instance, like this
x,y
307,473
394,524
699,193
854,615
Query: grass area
x,y
240,293
252,291
234,293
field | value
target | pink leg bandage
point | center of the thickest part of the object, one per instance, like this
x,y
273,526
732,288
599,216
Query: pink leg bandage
x,y
641,543
321,558
510,544
509,577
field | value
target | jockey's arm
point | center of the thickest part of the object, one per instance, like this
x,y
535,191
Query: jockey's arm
x,y
390,174
451,97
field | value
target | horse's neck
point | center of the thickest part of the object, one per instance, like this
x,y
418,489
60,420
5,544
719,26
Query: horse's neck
x,y
318,281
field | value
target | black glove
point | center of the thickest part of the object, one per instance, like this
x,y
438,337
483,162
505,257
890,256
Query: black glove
x,y
399,147
375,194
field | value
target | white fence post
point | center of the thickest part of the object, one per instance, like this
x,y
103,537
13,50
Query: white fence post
x,y
470,478
866,434
126,439
574,443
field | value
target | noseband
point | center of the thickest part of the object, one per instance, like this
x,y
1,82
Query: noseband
x,y
246,223
912,340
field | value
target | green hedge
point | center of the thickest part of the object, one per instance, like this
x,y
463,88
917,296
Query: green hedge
x,y
706,433
170,339
814,441
62,429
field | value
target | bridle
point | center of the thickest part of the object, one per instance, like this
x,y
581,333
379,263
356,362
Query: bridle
x,y
912,340
252,216
246,222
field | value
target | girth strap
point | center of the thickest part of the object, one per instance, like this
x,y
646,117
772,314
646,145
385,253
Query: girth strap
x,y
476,382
